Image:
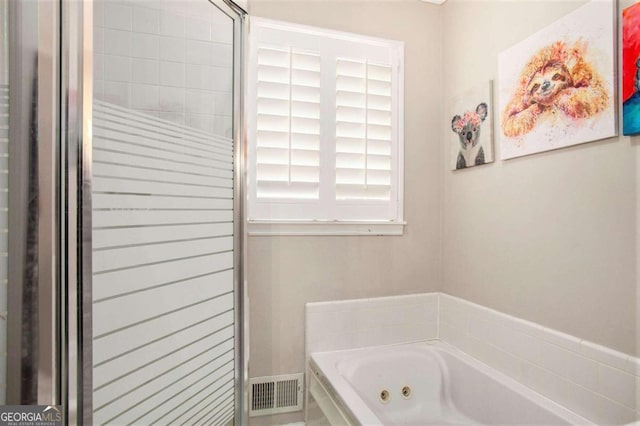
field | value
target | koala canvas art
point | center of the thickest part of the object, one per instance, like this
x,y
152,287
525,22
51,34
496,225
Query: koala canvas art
x,y
556,88
472,127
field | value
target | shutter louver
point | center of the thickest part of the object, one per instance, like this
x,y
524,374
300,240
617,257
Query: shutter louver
x,y
288,124
363,131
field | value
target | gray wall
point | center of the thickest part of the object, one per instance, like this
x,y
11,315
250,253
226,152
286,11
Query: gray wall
x,y
286,272
549,237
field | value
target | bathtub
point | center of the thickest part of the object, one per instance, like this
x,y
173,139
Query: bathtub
x,y
428,383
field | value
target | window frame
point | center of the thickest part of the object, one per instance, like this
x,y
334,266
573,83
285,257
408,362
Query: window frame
x,y
354,44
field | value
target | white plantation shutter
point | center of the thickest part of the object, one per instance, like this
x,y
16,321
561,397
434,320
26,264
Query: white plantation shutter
x,y
324,126
288,125
363,131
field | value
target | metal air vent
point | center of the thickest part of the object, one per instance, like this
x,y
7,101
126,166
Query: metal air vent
x,y
275,394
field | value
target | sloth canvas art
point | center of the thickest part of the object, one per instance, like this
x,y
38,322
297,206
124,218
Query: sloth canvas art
x,y
560,93
557,80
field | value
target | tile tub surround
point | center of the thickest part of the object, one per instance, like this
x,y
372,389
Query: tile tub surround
x,y
358,323
596,382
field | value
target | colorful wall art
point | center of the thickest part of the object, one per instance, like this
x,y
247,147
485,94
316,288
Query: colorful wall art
x,y
471,121
631,70
556,88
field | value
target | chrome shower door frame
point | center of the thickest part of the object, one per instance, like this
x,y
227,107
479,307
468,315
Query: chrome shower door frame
x,y
77,99
33,326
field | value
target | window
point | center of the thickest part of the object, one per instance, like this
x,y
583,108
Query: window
x,y
325,131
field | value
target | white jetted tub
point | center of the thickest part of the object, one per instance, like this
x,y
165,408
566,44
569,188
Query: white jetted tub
x,y
429,383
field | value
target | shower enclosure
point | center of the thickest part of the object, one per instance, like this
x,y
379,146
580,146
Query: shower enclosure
x,y
126,196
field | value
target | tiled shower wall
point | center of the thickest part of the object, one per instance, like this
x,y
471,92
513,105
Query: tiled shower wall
x,y
168,59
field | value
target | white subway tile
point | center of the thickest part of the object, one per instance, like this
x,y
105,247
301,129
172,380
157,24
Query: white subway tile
x,y
198,29
171,99
583,371
604,355
527,327
221,28
345,321
523,346
117,68
344,341
98,89
336,305
222,55
503,361
172,24
172,74
530,374
98,66
151,4
173,49
199,102
382,302
174,117
552,385
475,347
429,312
145,71
391,335
199,52
610,412
146,20
223,103
317,307
221,79
98,39
582,401
453,315
555,358
407,333
117,15
144,96
118,93
617,385
320,340
182,7
561,339
198,9
146,46
480,327
117,42
198,77
149,113
430,330
98,13
223,126
633,366
453,335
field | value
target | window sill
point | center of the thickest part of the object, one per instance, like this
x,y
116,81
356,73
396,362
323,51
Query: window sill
x,y
269,228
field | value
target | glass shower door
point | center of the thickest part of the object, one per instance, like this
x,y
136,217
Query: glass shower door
x,y
164,220
4,192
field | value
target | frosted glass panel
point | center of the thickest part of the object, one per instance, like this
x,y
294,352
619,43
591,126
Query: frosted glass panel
x,y
163,222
